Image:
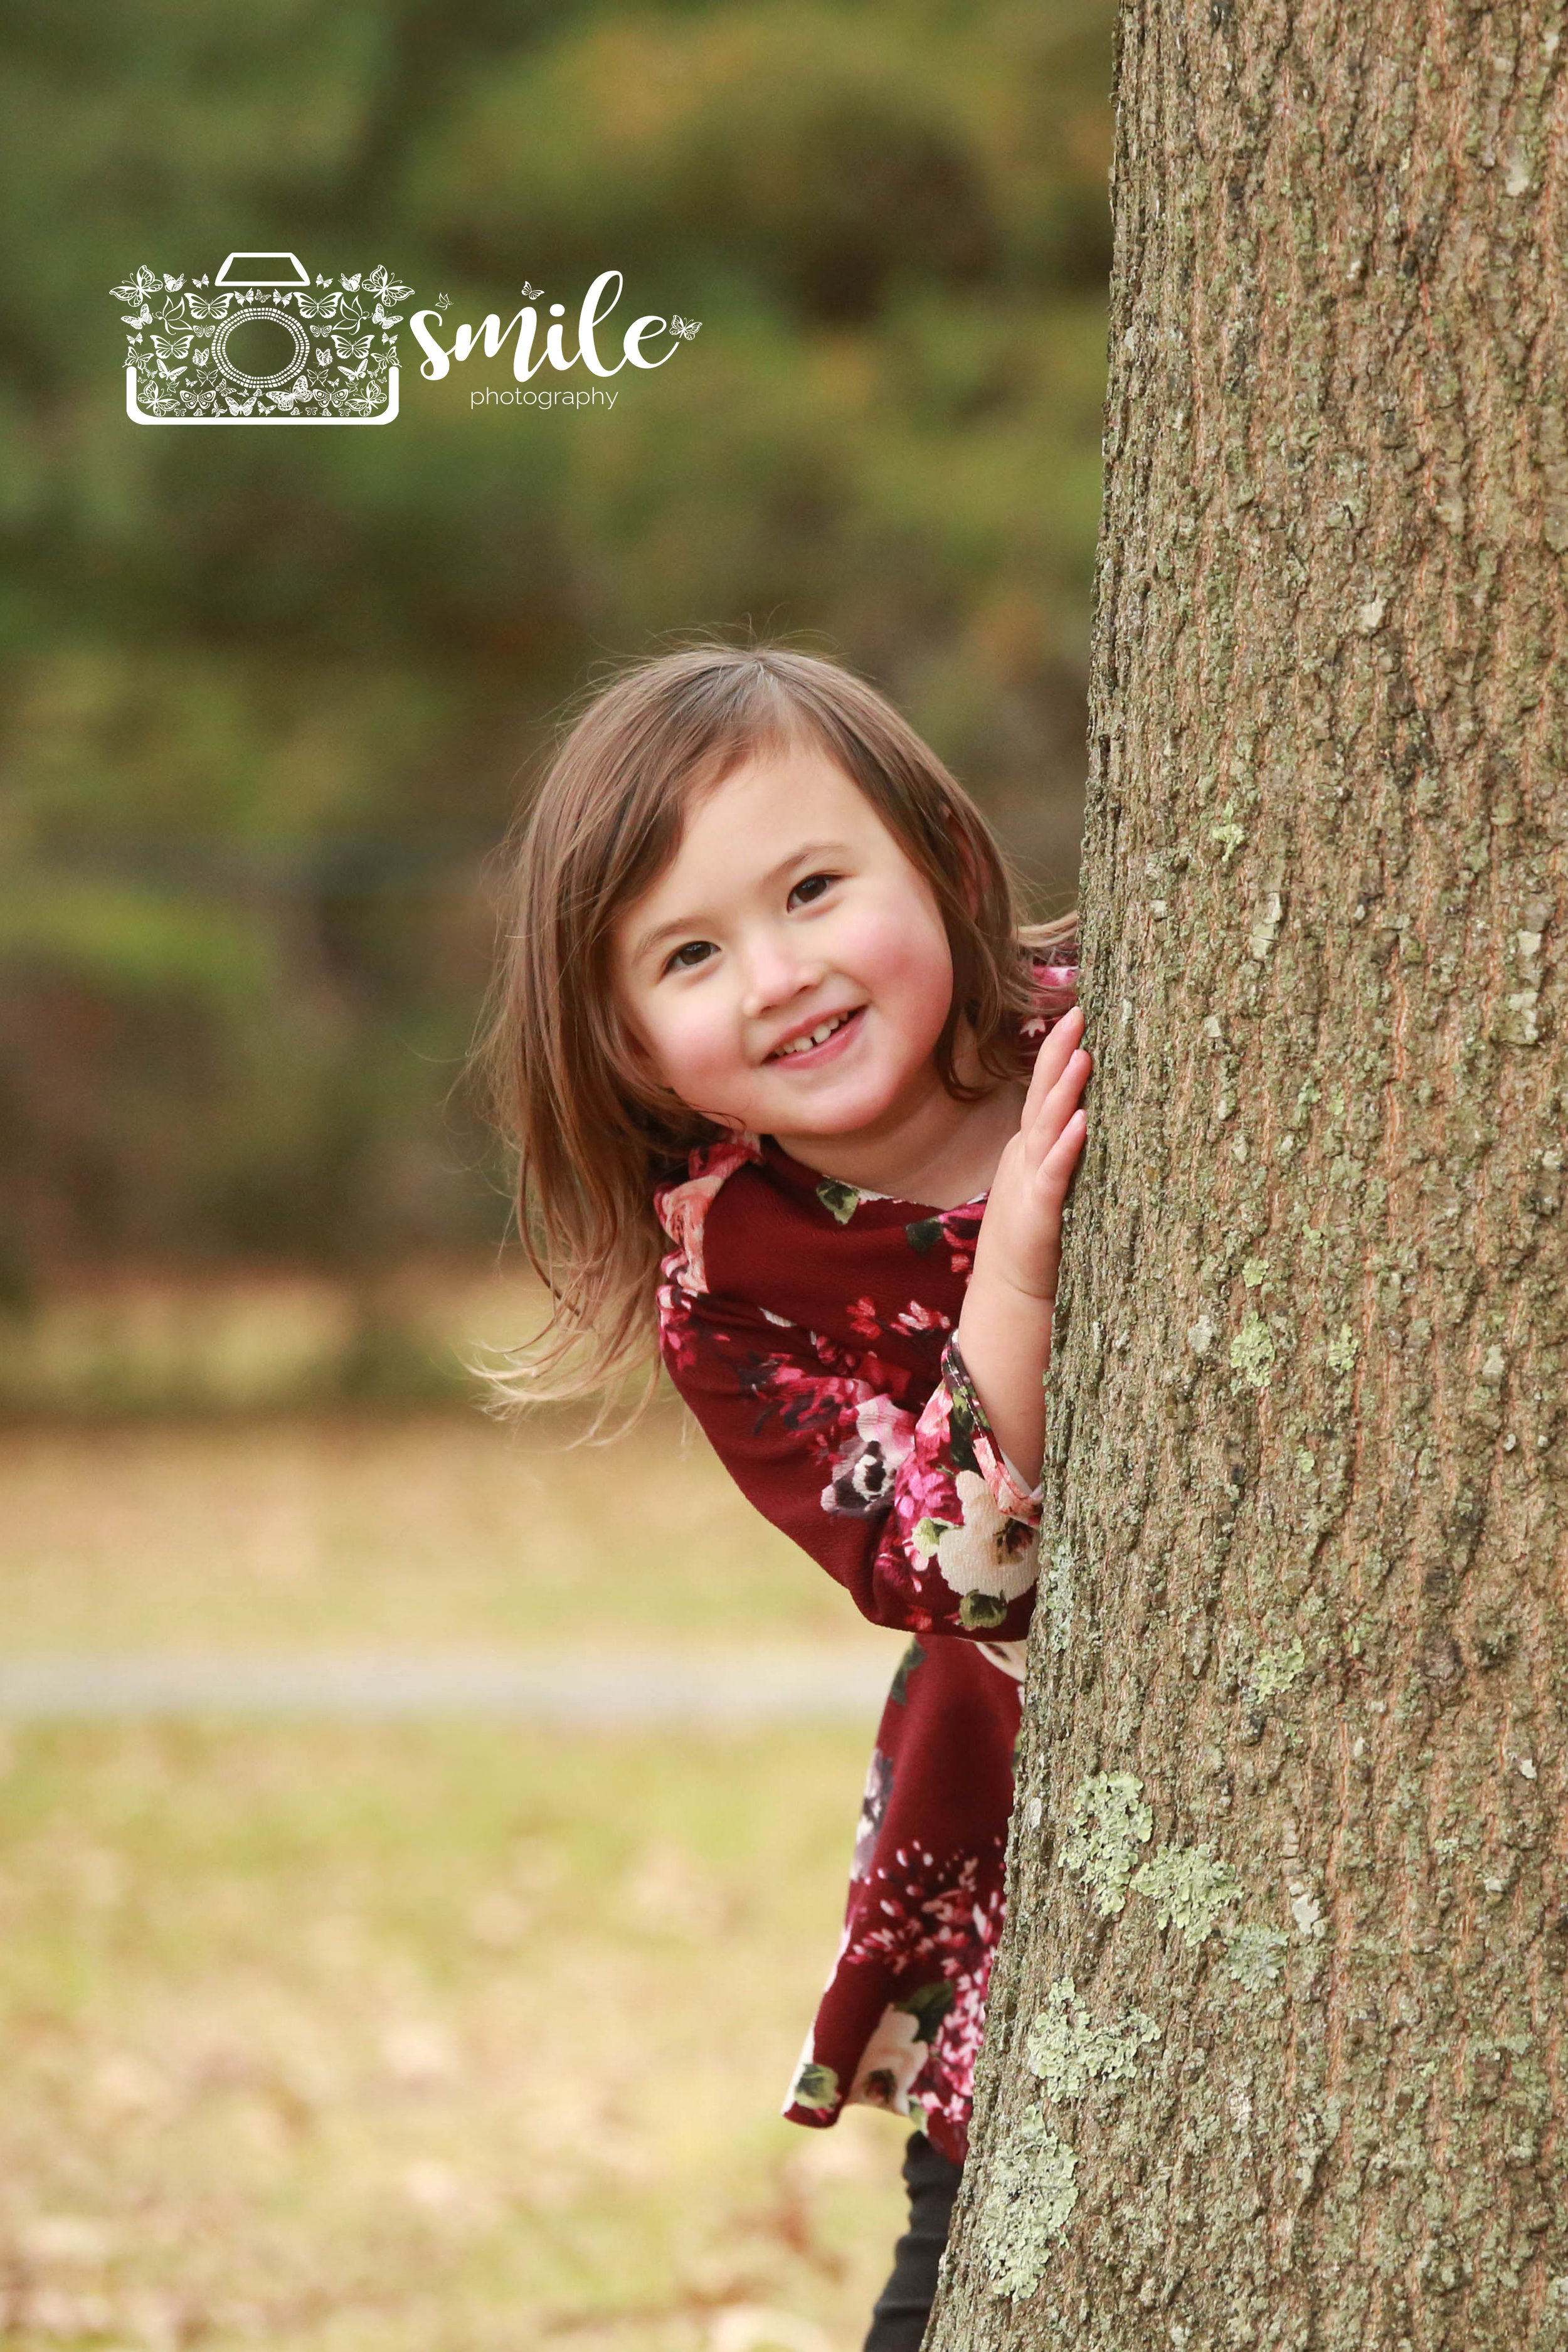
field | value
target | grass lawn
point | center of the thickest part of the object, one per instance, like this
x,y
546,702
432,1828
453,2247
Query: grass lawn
x,y
394,2038
404,1530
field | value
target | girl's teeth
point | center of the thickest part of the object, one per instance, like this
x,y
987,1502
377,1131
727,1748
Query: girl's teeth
x,y
818,1036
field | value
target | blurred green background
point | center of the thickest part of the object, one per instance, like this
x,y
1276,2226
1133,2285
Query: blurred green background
x,y
271,696
360,2036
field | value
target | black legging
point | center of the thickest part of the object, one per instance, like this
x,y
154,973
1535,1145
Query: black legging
x,y
899,2318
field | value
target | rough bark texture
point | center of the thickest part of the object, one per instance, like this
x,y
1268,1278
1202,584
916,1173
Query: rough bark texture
x,y
1276,2054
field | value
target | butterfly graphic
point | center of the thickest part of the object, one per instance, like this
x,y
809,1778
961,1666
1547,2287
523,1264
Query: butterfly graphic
x,y
292,393
352,284
442,300
530,293
323,307
355,371
173,374
685,328
323,359
386,318
174,284
240,407
347,349
202,358
136,289
172,351
379,282
140,317
213,306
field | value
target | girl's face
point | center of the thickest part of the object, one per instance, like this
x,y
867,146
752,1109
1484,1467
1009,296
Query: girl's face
x,y
789,973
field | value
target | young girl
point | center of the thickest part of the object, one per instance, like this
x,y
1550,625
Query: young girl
x,y
762,1043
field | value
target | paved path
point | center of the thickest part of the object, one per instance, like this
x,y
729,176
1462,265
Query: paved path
x,y
609,1687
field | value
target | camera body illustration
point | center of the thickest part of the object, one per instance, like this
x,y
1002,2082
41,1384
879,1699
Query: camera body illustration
x,y
261,342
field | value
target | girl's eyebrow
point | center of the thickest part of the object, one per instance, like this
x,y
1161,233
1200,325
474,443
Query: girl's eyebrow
x,y
685,926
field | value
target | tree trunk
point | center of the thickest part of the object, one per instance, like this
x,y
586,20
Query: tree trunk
x,y
1276,2053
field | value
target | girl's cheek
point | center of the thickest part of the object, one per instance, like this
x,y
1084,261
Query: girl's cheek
x,y
705,1050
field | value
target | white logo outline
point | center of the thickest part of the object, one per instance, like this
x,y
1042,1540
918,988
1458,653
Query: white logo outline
x,y
196,327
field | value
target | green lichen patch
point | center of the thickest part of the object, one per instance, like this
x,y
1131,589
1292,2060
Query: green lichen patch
x,y
1108,1823
1059,1593
1252,1353
1027,2205
1191,1886
1251,1955
1275,1670
1070,2053
1343,1352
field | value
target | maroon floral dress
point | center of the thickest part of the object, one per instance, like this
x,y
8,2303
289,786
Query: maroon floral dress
x,y
809,1326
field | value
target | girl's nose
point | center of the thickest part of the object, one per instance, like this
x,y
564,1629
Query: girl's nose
x,y
775,975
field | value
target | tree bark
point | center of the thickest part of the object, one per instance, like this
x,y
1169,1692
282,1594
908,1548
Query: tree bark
x,y
1276,2050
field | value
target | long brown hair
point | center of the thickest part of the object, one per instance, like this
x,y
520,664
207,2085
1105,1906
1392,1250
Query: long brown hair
x,y
590,1136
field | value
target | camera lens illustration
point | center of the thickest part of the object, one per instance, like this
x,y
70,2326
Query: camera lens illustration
x,y
260,318
261,341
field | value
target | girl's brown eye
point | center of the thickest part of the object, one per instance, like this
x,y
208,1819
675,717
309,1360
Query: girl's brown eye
x,y
687,957
813,887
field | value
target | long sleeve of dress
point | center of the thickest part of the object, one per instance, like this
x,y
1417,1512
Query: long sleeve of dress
x,y
908,1502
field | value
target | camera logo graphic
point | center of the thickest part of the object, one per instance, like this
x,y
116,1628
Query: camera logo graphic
x,y
260,342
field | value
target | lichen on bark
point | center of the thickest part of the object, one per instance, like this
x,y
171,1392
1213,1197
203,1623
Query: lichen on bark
x,y
1029,2200
1070,2053
1108,1823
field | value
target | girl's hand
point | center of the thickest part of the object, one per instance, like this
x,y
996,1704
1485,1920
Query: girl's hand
x,y
1020,1246
1004,1330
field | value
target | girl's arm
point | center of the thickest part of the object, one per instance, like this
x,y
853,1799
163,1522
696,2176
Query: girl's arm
x,y
1004,1329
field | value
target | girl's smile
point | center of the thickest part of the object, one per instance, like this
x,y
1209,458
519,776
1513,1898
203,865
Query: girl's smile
x,y
814,1041
789,974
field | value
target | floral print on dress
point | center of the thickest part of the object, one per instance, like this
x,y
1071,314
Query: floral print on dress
x,y
983,1538
683,1208
863,1474
811,1327
916,1317
940,1932
873,1811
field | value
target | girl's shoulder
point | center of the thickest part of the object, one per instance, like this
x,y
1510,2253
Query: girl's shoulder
x,y
682,1201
